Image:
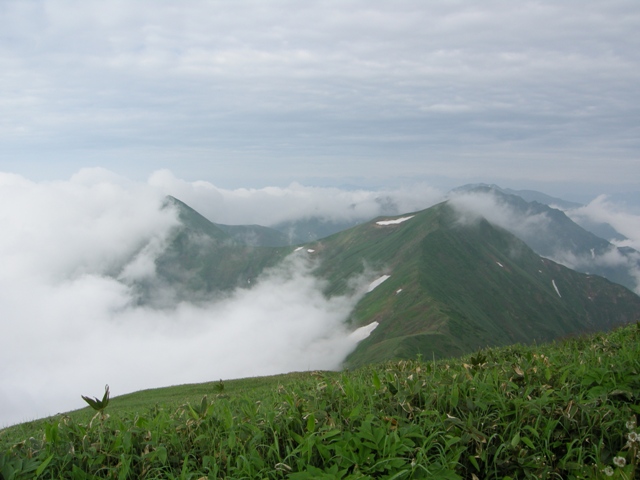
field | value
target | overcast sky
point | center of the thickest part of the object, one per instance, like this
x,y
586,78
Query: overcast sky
x,y
525,94
260,112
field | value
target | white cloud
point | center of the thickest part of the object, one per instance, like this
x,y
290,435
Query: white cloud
x,y
602,210
70,321
473,206
269,93
272,205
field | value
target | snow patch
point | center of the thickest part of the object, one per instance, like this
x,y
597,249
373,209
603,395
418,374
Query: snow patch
x,y
361,333
298,249
556,287
310,250
377,282
398,291
500,265
394,222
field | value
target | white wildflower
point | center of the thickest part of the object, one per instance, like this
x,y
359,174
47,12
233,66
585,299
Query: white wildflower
x,y
633,437
631,424
608,471
619,461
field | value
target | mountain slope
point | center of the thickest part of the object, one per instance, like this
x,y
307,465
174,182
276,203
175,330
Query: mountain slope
x,y
552,234
202,259
454,287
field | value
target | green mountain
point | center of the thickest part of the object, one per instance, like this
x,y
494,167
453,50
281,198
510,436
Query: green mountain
x,y
203,258
455,287
452,287
552,234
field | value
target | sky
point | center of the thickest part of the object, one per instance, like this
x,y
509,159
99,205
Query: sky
x,y
256,112
530,94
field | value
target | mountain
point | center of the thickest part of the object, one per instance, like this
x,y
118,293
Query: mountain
x,y
310,229
600,229
534,196
454,287
202,259
445,286
527,195
552,234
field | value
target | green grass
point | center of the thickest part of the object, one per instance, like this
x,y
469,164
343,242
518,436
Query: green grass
x,y
563,410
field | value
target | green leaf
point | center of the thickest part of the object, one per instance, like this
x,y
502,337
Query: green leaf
x,y
376,381
43,465
311,423
515,440
528,443
161,454
96,404
455,396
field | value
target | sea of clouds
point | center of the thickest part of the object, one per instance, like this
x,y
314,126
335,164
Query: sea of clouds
x,y
71,251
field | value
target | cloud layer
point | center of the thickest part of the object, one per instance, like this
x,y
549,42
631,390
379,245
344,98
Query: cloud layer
x,y
269,206
71,251
259,93
69,319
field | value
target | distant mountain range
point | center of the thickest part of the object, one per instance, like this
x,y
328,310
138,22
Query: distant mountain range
x,y
552,234
443,283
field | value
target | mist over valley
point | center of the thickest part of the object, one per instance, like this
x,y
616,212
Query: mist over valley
x,y
148,284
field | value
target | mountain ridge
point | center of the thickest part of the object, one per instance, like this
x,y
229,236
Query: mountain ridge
x,y
453,284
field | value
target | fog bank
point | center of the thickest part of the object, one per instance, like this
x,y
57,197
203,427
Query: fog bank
x,y
71,251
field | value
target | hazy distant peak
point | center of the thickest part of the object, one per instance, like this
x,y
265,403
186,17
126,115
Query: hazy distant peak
x,y
527,195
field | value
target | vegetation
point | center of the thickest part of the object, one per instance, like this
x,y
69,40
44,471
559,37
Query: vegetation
x,y
563,410
454,286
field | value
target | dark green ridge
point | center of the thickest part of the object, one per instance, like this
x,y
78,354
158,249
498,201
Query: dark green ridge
x,y
202,258
447,293
560,235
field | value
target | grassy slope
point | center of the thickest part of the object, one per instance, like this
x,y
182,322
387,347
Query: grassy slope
x,y
463,287
550,411
454,296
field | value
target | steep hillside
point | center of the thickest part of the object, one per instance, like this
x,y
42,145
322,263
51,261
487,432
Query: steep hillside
x,y
445,287
203,258
454,287
552,234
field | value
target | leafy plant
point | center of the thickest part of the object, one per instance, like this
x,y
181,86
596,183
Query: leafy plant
x,y
565,410
98,405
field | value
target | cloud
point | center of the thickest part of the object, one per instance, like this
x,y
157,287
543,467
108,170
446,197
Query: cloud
x,y
603,210
551,239
473,206
270,93
272,205
70,321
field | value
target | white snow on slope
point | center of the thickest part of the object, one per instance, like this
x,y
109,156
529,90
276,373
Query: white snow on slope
x,y
500,265
394,222
361,333
556,287
377,282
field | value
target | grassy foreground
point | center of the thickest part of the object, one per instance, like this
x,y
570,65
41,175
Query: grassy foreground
x,y
565,410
